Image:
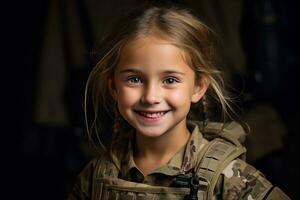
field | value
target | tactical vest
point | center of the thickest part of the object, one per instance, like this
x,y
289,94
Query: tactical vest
x,y
222,147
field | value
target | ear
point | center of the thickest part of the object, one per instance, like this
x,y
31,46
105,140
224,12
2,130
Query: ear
x,y
112,88
200,88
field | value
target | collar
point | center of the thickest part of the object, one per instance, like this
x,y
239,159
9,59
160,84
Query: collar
x,y
181,163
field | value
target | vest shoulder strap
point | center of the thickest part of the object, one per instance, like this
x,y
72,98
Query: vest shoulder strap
x,y
213,158
211,161
104,168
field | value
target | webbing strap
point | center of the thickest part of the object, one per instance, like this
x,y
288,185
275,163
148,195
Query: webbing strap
x,y
119,189
104,169
211,160
217,154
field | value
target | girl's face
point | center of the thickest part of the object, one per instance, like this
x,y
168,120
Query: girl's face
x,y
154,87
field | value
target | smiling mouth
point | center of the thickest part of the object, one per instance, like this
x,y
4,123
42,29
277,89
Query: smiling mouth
x,y
152,115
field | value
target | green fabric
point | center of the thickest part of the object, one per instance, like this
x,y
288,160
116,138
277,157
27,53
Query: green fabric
x,y
100,177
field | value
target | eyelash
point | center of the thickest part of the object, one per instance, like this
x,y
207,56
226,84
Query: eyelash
x,y
174,80
133,80
137,80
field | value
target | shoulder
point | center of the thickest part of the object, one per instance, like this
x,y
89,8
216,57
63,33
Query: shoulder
x,y
243,181
82,188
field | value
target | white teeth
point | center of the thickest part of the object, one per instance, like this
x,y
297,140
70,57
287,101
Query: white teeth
x,y
152,115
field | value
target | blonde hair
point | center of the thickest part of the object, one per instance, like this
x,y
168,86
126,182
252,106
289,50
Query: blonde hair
x,y
180,28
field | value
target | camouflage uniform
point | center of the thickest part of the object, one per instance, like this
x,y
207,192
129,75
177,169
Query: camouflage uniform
x,y
238,179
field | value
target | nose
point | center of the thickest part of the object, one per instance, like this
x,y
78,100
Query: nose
x,y
151,94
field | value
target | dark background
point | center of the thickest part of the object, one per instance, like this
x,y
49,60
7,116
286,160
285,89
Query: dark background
x,y
43,155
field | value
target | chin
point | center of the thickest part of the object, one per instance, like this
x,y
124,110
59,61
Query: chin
x,y
151,133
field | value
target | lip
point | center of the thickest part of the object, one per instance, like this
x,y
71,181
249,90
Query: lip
x,y
151,111
151,115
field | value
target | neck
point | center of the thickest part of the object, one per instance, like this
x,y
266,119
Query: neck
x,y
158,151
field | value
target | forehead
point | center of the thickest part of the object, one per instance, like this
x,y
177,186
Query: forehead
x,y
151,49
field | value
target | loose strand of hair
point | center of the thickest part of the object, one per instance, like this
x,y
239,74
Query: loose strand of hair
x,y
95,93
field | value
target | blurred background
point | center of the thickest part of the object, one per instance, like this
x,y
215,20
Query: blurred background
x,y
50,44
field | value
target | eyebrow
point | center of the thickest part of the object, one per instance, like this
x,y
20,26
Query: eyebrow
x,y
129,71
139,71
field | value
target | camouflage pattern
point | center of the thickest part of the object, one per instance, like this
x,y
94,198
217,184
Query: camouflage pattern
x,y
242,181
182,162
239,180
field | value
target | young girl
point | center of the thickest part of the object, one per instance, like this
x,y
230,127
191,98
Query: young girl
x,y
155,66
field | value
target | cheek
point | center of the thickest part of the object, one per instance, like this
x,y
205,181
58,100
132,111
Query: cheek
x,y
179,98
127,97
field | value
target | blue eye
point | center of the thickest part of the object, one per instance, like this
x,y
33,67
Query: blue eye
x,y
135,80
170,81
